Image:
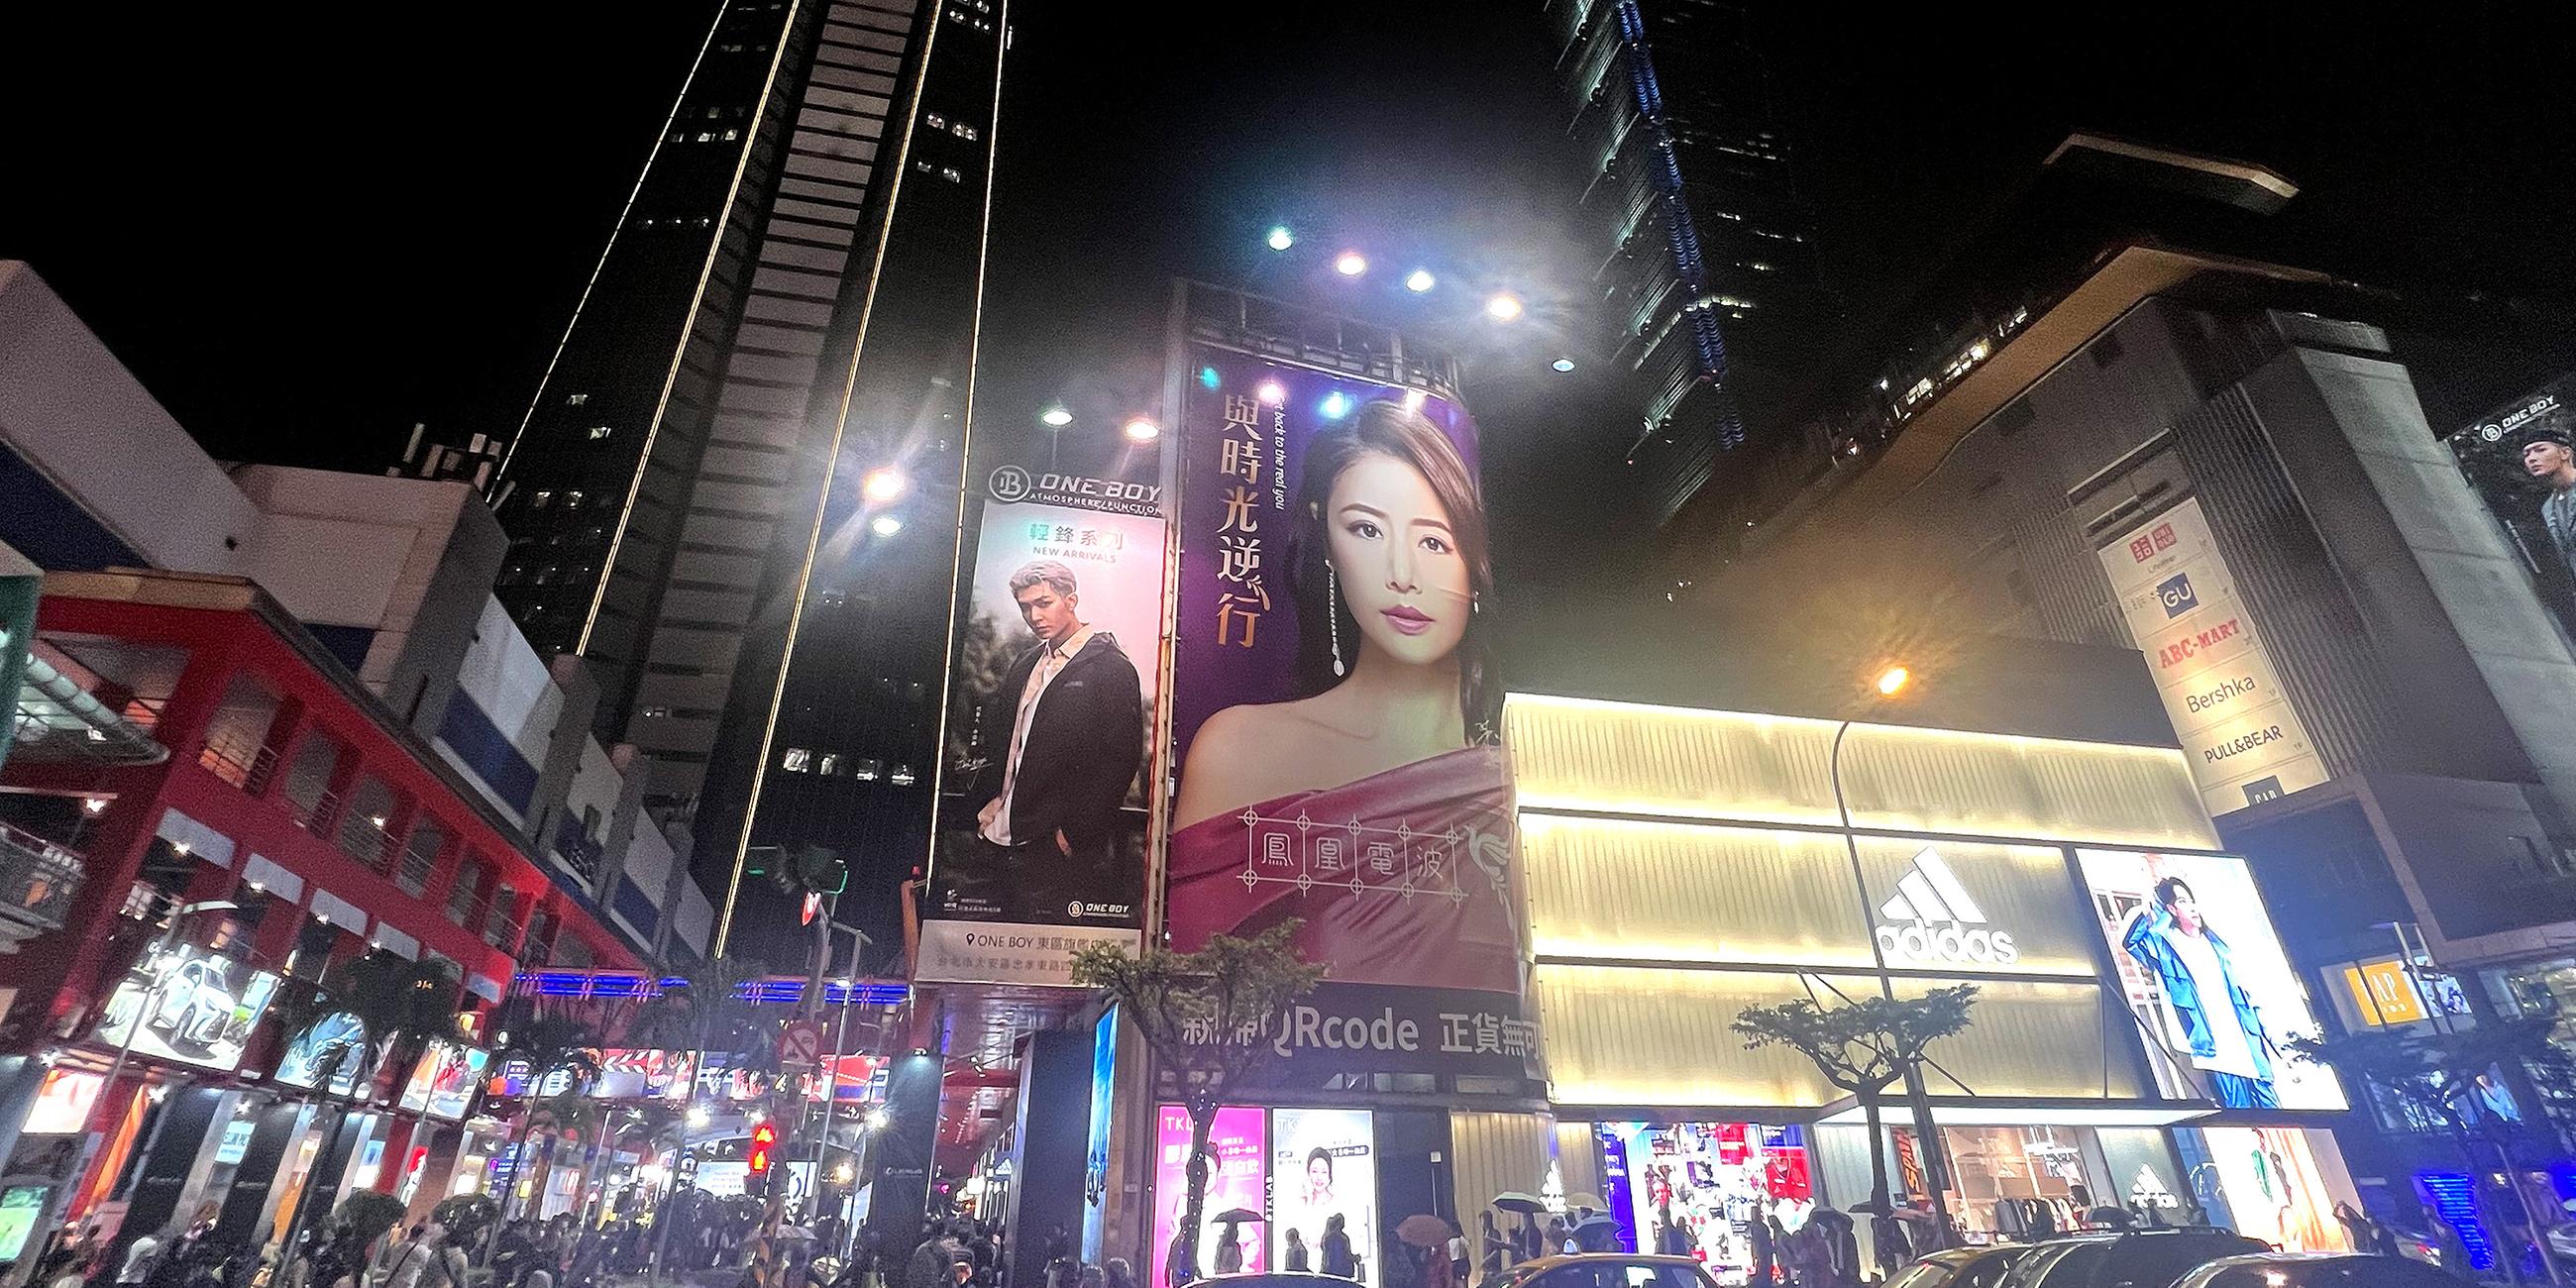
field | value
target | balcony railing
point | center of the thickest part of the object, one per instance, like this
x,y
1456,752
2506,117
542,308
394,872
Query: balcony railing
x,y
413,873
315,817
37,878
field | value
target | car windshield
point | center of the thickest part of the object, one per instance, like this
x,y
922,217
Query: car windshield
x,y
1617,1274
1924,1274
2055,1267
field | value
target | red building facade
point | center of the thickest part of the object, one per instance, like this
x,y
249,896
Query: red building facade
x,y
292,794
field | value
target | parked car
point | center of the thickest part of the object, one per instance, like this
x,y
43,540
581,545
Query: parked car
x,y
2130,1259
2316,1270
1963,1267
1603,1270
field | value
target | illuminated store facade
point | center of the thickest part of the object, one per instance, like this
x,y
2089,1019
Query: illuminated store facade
x,y
1679,866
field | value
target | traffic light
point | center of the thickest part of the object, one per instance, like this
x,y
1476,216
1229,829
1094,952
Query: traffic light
x,y
764,1138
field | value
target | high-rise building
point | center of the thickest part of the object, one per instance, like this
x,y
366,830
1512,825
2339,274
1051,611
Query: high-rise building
x,y
1711,274
786,306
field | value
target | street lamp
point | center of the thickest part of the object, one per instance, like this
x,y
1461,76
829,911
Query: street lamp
x,y
1503,307
885,525
1280,238
1891,680
1350,263
1561,365
885,484
1141,430
1055,417
1421,280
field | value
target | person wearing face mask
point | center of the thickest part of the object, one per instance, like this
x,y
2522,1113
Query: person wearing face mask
x,y
1388,741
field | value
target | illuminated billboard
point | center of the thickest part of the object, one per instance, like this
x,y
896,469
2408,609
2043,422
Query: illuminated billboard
x,y
2217,680
337,1040
1334,705
624,1074
1042,850
1236,1149
195,1006
443,1082
1323,1191
2205,978
2522,463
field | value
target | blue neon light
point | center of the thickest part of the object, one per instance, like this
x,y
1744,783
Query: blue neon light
x,y
619,985
2455,1201
1681,234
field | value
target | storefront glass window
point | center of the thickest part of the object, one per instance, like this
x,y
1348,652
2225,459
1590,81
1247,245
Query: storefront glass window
x,y
2024,1182
1695,1189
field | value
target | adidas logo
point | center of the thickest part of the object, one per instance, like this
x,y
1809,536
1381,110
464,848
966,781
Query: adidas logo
x,y
1941,912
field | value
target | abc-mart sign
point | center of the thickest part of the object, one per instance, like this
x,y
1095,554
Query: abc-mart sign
x,y
1932,920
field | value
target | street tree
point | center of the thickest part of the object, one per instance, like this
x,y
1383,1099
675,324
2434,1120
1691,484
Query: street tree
x,y
2436,1076
1205,1016
551,1046
1864,1047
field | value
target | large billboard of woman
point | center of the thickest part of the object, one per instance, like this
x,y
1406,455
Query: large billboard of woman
x,y
1334,706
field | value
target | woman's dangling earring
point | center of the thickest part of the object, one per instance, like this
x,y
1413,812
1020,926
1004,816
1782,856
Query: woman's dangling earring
x,y
1333,613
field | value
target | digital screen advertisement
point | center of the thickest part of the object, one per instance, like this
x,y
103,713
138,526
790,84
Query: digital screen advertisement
x,y
624,1074
2279,1184
63,1102
1235,1182
1057,668
2204,975
195,1007
443,1083
1323,1191
1333,698
337,1040
2217,680
2520,461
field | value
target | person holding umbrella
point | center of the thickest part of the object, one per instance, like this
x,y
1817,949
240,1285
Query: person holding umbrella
x,y
1526,1241
1229,1239
1430,1234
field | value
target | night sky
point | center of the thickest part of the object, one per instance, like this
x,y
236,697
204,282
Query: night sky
x,y
305,237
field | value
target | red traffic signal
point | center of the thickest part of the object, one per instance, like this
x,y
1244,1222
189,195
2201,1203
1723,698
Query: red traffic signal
x,y
763,1139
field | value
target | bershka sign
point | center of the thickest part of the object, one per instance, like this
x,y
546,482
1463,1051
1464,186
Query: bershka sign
x,y
1353,1028
1943,924
2224,696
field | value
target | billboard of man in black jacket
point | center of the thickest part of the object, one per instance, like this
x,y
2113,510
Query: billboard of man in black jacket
x,y
1075,716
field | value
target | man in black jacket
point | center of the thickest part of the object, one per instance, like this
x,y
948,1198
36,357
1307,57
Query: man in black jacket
x,y
1075,718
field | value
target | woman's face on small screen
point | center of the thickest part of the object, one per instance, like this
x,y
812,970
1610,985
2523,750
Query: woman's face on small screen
x,y
1396,555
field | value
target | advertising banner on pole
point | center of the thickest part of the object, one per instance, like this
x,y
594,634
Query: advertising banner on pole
x,y
1334,707
1042,839
2219,686
2205,977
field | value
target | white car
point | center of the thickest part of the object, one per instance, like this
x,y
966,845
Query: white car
x,y
196,1004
